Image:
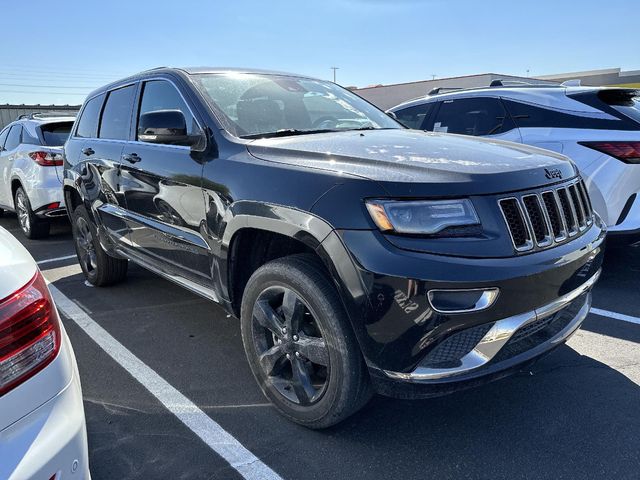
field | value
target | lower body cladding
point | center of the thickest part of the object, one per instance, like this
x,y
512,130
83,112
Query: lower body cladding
x,y
435,324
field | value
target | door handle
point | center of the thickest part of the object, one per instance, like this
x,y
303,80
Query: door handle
x,y
88,151
131,158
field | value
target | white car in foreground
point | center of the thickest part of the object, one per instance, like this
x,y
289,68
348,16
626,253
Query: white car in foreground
x,y
597,127
42,424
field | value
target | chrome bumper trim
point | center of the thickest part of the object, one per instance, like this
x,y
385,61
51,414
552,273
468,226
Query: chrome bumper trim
x,y
500,334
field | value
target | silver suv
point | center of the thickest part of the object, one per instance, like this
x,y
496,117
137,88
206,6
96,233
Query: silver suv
x,y
30,182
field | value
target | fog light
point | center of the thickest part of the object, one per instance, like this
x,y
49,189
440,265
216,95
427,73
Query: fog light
x,y
462,300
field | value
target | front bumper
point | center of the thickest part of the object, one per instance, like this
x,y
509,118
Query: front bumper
x,y
552,323
385,291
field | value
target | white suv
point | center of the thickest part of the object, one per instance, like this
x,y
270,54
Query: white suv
x,y
30,183
597,127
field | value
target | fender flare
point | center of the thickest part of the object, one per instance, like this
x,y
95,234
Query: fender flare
x,y
315,233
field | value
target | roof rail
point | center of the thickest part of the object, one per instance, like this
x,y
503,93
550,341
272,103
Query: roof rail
x,y
49,114
435,91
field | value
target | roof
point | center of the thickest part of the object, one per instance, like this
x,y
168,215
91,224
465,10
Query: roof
x,y
191,71
439,80
544,94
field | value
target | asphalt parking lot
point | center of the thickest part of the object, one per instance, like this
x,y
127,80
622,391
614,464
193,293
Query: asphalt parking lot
x,y
575,415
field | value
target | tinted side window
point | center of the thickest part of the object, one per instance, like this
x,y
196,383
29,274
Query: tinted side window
x,y
414,117
3,137
13,139
472,116
533,116
88,122
162,95
116,116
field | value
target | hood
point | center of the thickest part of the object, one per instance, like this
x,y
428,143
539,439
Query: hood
x,y
411,162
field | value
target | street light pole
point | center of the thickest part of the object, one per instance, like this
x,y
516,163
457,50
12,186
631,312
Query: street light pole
x,y
334,73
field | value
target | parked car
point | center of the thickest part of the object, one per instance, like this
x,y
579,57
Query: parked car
x,y
597,127
42,423
30,183
360,256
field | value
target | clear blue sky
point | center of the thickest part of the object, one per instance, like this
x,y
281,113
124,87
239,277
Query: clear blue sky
x,y
55,52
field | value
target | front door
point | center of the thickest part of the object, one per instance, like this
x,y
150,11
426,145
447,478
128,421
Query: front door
x,y
163,192
476,116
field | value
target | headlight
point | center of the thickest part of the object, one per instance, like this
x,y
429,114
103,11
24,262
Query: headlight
x,y
424,217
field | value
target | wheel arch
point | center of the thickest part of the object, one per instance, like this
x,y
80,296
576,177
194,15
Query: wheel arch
x,y
254,224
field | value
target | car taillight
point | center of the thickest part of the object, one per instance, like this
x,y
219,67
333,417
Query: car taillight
x,y
628,152
47,159
29,333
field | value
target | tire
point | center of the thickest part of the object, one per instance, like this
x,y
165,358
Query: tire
x,y
31,226
99,268
324,379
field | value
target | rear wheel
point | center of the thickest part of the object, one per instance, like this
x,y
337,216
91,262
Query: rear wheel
x,y
31,226
300,345
98,267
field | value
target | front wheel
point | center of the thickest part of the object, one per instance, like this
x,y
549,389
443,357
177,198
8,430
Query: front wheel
x,y
300,345
98,267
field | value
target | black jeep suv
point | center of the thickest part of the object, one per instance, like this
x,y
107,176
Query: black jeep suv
x,y
360,256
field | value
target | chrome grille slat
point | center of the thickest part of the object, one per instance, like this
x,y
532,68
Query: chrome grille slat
x,y
541,219
582,190
538,224
579,208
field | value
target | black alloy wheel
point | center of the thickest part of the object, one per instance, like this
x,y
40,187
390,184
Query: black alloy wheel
x,y
290,347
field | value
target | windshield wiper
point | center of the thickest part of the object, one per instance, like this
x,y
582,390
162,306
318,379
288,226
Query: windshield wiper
x,y
286,132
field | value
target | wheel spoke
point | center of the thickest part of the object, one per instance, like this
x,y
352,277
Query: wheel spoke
x,y
267,317
301,381
270,358
313,348
292,309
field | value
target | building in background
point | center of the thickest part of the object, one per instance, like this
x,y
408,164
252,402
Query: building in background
x,y
9,113
611,77
387,96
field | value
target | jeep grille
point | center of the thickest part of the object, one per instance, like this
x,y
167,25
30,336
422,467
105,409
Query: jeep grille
x,y
547,217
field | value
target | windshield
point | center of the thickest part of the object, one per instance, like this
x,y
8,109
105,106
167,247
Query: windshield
x,y
55,134
253,106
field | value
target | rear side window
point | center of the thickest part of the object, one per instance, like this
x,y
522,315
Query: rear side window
x,y
28,138
472,116
530,116
414,117
161,95
116,116
13,139
3,138
55,134
88,122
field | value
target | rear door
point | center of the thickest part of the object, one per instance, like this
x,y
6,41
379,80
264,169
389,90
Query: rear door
x,y
163,189
7,159
103,129
5,188
475,116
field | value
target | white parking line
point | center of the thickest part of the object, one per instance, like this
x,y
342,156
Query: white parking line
x,y
217,438
58,259
616,315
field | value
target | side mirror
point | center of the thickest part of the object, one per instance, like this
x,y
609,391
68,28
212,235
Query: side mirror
x,y
167,127
392,115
